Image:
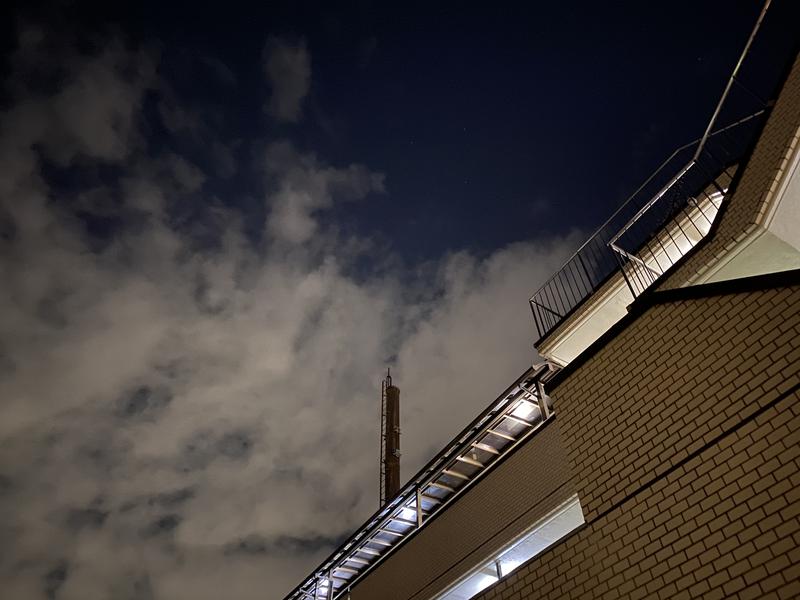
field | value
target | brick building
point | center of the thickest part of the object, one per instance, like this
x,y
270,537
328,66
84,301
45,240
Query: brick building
x,y
656,452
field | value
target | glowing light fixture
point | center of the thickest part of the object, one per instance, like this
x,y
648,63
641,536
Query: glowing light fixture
x,y
524,410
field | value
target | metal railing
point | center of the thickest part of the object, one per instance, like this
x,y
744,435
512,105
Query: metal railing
x,y
514,417
666,216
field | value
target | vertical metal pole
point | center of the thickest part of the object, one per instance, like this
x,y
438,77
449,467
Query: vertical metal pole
x,y
574,292
329,595
655,259
543,408
600,258
419,507
702,212
657,235
499,568
688,239
624,274
585,270
731,80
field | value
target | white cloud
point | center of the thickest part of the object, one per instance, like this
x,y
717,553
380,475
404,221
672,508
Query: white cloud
x,y
195,421
93,115
287,66
303,187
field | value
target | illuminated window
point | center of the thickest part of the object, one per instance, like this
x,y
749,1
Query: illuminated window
x,y
542,534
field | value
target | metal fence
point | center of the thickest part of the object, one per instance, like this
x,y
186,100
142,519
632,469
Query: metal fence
x,y
664,218
669,213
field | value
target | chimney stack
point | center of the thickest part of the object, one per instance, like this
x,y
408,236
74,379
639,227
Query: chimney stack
x,y
390,440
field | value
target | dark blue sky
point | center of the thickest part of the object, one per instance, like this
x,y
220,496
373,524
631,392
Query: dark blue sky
x,y
493,123
219,224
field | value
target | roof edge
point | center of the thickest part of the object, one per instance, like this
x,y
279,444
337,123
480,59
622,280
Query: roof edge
x,y
653,297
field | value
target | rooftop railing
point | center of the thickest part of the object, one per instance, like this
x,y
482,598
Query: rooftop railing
x,y
666,216
656,226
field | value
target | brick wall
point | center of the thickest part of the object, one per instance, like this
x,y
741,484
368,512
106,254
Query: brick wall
x,y
672,380
722,524
683,431
528,485
682,434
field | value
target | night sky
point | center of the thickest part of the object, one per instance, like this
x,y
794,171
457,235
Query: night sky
x,y
220,223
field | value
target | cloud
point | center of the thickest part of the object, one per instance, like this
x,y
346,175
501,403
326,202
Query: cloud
x,y
93,113
302,187
190,411
287,66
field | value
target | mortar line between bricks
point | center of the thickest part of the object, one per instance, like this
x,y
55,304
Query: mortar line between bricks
x,y
716,440
770,405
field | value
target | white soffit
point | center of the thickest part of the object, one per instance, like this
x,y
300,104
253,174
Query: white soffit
x,y
774,245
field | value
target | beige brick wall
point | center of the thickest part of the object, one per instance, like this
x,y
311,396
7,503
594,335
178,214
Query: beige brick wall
x,y
685,457
747,206
674,379
682,435
528,485
724,524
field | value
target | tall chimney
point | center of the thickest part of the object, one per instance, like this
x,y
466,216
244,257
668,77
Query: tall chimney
x,y
390,439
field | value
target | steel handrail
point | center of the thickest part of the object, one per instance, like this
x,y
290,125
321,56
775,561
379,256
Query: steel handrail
x,y
644,184
732,78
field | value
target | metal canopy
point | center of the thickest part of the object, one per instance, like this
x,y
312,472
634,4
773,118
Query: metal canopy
x,y
510,419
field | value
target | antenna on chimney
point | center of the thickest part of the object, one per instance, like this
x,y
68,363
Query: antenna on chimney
x,y
390,439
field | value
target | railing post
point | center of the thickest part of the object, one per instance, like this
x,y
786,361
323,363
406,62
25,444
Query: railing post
x,y
329,595
732,79
498,569
624,274
589,267
543,408
585,270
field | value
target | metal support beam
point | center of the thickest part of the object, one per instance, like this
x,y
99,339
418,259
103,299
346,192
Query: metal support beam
x,y
486,448
442,486
380,542
470,461
502,435
390,532
499,568
455,474
518,420
419,507
543,408
403,520
731,80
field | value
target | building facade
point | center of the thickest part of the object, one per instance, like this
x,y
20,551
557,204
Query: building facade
x,y
657,453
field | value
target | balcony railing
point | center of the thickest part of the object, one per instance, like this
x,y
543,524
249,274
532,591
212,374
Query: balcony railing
x,y
656,226
669,213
